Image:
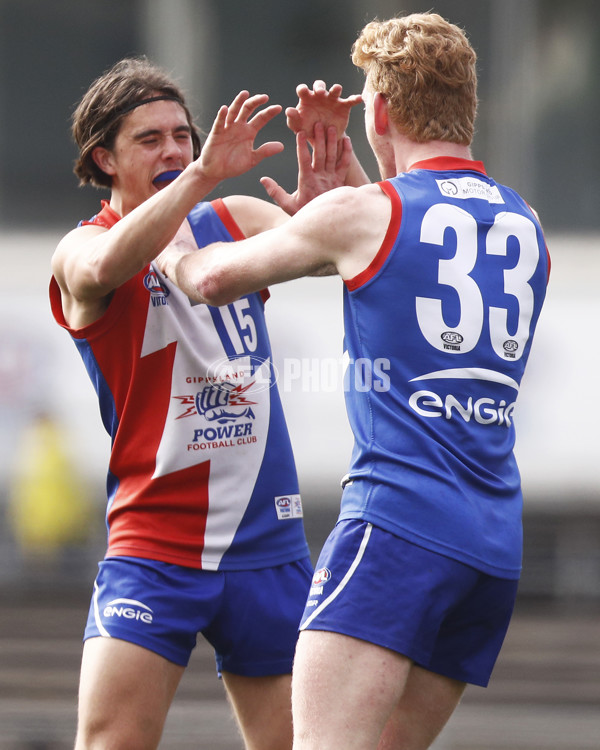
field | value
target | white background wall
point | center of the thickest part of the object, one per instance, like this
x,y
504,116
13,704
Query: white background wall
x,y
557,417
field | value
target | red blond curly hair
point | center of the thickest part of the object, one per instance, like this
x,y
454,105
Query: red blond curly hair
x,y
425,68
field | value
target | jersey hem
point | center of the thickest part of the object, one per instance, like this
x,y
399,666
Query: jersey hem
x,y
300,553
439,548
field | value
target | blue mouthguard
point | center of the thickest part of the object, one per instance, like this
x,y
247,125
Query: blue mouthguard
x,y
166,176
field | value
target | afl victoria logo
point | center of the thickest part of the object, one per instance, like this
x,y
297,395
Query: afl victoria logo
x,y
452,337
321,576
510,346
156,288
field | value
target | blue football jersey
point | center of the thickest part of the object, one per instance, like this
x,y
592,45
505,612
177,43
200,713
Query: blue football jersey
x,y
438,330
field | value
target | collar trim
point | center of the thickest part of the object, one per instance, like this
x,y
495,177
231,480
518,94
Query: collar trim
x,y
448,163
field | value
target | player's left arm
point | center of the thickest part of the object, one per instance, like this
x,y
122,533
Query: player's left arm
x,y
328,107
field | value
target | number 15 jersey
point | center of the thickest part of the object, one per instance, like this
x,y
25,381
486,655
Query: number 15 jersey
x,y
201,470
438,330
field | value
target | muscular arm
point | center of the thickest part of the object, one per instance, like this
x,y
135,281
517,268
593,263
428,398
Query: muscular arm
x,y
344,228
91,261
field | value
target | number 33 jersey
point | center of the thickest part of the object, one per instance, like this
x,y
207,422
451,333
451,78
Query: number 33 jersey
x,y
438,330
201,469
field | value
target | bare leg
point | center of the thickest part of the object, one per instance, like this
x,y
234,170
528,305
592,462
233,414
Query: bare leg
x,y
263,709
426,705
351,694
344,691
124,695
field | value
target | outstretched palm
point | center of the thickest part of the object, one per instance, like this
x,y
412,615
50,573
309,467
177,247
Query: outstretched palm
x,y
321,105
318,171
229,149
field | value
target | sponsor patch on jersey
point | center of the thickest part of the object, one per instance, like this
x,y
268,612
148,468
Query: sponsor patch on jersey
x,y
288,506
469,187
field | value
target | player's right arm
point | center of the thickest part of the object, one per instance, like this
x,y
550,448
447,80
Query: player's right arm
x,y
343,228
91,261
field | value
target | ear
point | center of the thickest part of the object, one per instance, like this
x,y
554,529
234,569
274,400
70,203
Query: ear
x,y
380,114
104,160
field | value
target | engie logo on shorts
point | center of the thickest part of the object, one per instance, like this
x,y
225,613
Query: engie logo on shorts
x,y
128,609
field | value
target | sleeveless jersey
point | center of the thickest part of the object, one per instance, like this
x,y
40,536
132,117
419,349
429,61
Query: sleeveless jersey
x,y
438,329
201,470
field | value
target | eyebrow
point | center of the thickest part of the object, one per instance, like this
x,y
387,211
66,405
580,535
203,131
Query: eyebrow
x,y
158,131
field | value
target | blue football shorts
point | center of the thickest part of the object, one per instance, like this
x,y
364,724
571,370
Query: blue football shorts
x,y
249,617
445,616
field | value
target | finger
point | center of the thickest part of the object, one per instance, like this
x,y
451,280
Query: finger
x,y
292,118
304,93
353,100
319,86
266,150
252,104
343,163
236,105
261,118
319,155
220,119
336,90
277,194
303,154
331,152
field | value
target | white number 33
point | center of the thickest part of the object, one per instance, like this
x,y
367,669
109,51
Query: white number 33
x,y
456,272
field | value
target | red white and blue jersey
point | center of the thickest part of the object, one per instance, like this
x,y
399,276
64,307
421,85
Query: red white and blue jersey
x,y
438,330
201,469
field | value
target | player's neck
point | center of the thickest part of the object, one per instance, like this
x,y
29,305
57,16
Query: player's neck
x,y
413,152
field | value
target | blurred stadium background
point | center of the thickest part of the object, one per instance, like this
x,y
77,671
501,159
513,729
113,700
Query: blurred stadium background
x,y
539,65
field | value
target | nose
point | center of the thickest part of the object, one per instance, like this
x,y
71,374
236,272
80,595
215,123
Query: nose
x,y
171,148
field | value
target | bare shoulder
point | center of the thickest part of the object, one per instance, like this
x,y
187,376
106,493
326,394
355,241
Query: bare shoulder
x,y
71,245
350,223
254,215
354,204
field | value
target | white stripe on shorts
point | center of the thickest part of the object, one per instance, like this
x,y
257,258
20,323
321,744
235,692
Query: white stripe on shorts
x,y
345,579
103,631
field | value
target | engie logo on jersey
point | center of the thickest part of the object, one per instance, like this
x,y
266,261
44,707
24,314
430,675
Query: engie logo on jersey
x,y
288,506
485,410
158,292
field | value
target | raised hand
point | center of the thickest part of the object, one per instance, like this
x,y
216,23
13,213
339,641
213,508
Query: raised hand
x,y
229,149
320,104
318,172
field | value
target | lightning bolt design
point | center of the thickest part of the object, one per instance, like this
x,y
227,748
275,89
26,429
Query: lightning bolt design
x,y
188,401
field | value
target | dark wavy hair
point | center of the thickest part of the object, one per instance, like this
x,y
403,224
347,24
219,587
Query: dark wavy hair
x,y
98,116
